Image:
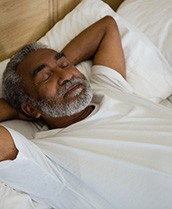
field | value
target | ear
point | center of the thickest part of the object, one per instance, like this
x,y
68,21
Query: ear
x,y
29,110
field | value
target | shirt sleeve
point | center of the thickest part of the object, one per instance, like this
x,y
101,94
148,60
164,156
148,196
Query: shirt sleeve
x,y
107,78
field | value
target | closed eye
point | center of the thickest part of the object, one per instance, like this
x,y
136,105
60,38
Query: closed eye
x,y
45,77
38,70
65,65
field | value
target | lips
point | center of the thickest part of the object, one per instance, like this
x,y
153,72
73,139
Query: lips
x,y
73,90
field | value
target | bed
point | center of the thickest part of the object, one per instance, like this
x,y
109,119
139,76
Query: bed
x,y
145,28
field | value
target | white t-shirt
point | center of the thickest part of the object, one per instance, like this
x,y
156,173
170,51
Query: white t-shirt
x,y
118,157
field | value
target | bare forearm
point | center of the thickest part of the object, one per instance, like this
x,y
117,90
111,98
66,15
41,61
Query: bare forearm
x,y
84,45
101,42
7,112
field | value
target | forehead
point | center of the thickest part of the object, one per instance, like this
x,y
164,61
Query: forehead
x,y
35,59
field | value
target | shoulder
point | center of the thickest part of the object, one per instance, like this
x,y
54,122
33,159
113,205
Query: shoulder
x,y
109,79
8,150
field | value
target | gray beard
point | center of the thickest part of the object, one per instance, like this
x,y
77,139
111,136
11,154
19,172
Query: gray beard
x,y
59,106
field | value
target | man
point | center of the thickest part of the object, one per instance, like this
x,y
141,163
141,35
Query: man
x,y
42,83
38,70
105,148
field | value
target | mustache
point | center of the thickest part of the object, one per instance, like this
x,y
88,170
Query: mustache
x,y
68,84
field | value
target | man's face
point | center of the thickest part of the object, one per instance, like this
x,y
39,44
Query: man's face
x,y
55,86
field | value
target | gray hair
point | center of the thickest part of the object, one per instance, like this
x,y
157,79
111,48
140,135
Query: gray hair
x,y
12,86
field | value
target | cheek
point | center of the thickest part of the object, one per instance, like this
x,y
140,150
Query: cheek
x,y
47,92
29,88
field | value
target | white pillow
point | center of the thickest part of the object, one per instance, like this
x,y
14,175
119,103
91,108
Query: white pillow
x,y
2,68
153,18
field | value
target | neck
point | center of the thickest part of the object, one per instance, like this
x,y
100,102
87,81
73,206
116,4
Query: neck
x,y
65,121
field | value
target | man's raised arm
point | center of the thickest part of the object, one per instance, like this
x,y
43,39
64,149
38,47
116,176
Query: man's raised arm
x,y
101,42
9,113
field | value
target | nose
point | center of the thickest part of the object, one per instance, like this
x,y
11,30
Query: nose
x,y
63,76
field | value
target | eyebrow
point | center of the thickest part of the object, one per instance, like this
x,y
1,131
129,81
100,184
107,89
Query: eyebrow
x,y
59,55
38,69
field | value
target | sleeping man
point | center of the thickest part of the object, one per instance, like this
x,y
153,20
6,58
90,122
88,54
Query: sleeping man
x,y
105,148
43,83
